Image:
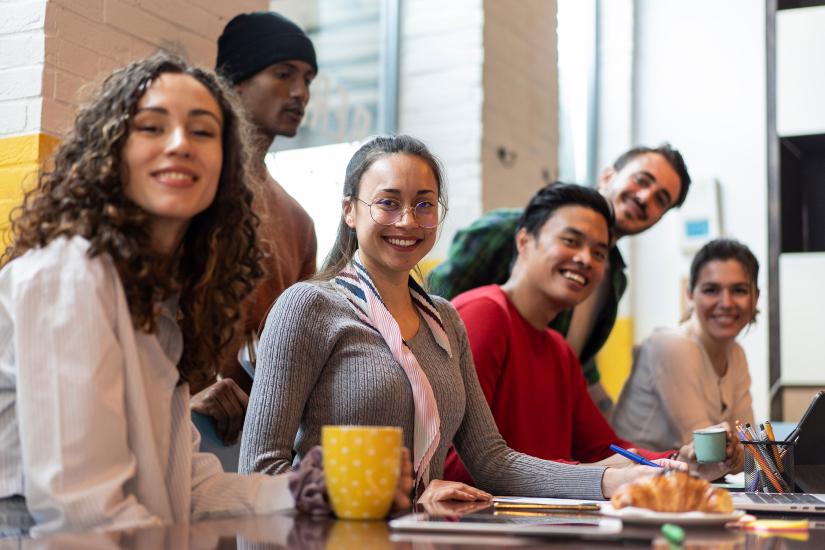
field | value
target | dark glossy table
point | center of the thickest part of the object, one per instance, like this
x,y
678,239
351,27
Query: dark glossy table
x,y
297,531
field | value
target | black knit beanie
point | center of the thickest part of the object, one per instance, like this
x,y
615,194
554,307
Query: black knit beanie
x,y
253,41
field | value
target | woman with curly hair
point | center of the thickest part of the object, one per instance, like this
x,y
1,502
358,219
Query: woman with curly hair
x,y
129,263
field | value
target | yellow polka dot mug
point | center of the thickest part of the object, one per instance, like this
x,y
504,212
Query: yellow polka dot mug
x,y
362,465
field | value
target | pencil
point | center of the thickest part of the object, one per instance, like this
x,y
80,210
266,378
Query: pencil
x,y
774,448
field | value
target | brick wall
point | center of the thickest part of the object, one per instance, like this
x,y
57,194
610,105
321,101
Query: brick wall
x,y
50,52
441,96
520,116
475,76
87,39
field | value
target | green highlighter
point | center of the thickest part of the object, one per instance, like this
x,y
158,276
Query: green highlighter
x,y
674,535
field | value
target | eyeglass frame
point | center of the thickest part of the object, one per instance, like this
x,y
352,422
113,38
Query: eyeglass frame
x,y
404,210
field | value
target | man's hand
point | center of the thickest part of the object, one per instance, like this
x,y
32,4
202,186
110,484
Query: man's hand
x,y
226,402
439,490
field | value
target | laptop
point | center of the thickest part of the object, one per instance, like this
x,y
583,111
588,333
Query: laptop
x,y
809,469
809,452
804,503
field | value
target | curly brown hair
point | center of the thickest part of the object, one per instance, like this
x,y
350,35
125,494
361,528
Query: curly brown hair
x,y
82,194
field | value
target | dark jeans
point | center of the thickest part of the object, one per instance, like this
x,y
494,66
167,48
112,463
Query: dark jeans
x,y
15,520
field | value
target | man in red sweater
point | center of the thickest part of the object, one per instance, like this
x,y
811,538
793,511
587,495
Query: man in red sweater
x,y
530,375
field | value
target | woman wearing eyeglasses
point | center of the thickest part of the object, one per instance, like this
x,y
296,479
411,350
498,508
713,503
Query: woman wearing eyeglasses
x,y
364,344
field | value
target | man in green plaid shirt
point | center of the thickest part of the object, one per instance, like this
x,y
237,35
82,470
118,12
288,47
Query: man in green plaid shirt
x,y
641,186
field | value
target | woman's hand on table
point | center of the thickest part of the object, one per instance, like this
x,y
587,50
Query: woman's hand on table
x,y
616,477
226,402
439,490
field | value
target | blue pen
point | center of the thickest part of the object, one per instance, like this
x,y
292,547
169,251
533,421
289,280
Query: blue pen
x,y
633,456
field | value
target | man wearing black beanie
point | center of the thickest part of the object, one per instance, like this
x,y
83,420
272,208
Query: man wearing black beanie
x,y
271,62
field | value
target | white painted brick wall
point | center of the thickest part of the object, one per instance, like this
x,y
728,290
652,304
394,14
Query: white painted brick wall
x,y
50,52
21,49
21,65
22,16
476,75
440,97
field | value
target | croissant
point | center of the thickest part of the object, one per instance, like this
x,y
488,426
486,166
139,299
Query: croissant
x,y
673,491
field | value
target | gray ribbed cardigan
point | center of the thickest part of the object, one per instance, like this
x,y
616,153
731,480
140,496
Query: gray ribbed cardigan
x,y
318,364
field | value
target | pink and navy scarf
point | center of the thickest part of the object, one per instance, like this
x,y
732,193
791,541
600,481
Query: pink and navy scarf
x,y
357,286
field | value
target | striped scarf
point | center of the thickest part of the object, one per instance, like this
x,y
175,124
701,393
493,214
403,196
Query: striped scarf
x,y
355,283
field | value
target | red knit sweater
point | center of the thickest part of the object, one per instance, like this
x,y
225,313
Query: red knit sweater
x,y
534,386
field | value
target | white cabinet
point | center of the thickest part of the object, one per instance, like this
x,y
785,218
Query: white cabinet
x,y
800,71
802,310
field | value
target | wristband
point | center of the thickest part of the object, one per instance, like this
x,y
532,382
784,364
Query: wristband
x,y
308,485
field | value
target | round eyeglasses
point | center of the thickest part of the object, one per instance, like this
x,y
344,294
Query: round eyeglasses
x,y
387,211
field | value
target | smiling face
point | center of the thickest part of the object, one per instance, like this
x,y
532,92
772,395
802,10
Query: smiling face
x,y
566,262
275,98
641,192
393,250
723,299
171,161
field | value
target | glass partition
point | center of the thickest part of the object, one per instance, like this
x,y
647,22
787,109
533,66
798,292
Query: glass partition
x,y
353,97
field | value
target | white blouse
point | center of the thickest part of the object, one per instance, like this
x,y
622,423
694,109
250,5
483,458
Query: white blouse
x,y
673,389
95,430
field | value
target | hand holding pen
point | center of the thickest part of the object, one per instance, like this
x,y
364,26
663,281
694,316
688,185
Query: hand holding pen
x,y
616,476
638,459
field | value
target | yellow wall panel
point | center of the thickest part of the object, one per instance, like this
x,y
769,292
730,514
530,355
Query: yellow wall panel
x,y
615,358
20,160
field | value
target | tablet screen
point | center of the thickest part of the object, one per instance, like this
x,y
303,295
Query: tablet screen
x,y
515,523
810,434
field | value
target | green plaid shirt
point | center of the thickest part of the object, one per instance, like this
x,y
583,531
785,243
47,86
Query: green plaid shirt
x,y
482,255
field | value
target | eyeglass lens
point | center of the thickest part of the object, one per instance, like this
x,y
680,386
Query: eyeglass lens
x,y
388,211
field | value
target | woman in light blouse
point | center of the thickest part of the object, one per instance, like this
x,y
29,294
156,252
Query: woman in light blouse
x,y
123,284
696,375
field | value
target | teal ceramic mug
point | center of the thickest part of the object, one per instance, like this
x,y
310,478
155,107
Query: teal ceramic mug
x,y
710,444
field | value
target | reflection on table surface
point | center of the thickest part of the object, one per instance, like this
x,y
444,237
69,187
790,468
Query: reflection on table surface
x,y
299,531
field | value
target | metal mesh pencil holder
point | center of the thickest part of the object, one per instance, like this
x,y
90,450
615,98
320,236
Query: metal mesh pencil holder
x,y
769,466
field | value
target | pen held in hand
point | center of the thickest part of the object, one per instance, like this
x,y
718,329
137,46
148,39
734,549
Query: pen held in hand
x,y
633,456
